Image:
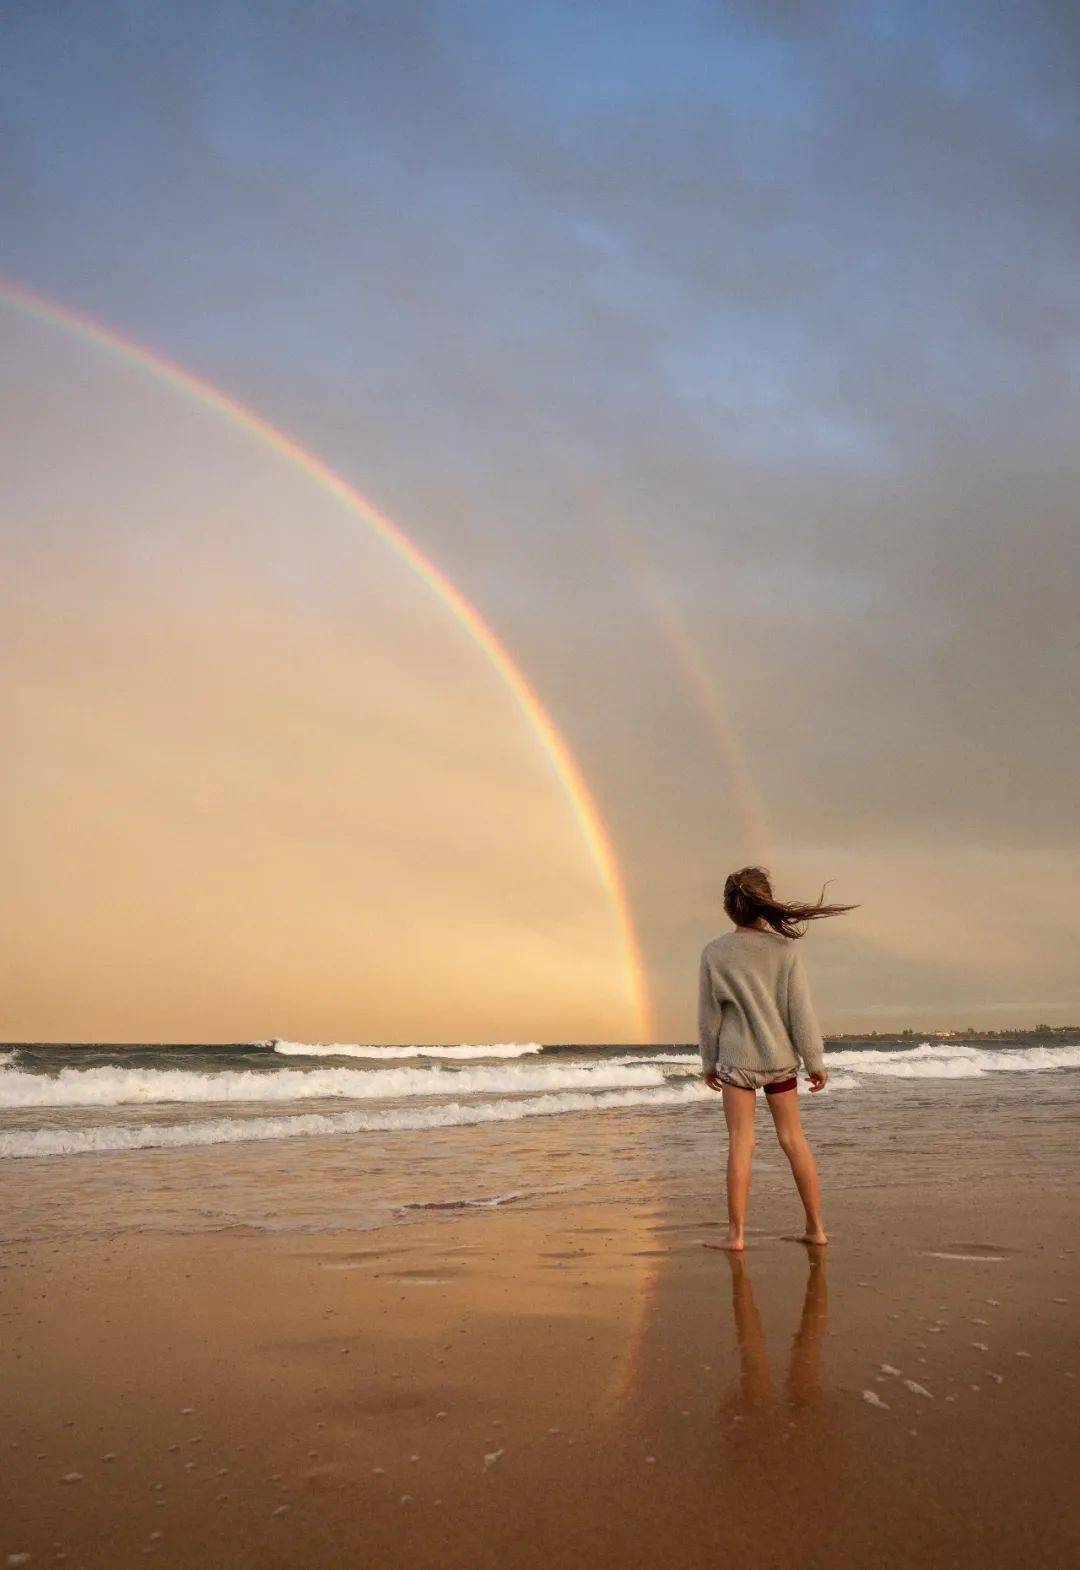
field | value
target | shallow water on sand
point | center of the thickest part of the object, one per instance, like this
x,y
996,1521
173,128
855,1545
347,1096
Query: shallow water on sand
x,y
307,1138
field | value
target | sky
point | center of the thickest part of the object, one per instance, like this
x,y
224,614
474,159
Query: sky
x,y
724,357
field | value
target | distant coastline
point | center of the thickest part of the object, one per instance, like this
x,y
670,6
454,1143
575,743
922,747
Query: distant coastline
x,y
1012,1033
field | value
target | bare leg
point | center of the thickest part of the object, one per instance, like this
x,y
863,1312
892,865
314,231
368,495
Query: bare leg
x,y
739,1114
789,1131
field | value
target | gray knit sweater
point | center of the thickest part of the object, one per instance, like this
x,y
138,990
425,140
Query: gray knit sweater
x,y
754,1006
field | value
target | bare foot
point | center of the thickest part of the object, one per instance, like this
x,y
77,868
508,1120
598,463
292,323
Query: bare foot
x,y
733,1242
815,1235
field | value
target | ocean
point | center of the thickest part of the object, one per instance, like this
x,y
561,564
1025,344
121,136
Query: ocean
x,y
279,1136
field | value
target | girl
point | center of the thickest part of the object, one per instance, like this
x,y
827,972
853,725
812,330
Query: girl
x,y
755,1022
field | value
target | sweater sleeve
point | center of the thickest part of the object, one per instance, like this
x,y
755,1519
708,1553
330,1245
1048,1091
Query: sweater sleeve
x,y
801,1021
707,1019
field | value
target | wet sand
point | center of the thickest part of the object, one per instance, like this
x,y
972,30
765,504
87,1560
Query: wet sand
x,y
552,1386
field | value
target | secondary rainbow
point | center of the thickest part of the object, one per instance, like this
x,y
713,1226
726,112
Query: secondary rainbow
x,y
554,746
753,830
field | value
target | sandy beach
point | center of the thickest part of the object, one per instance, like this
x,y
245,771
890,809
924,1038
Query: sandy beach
x,y
559,1384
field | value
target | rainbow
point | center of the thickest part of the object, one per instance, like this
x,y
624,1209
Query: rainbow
x,y
551,741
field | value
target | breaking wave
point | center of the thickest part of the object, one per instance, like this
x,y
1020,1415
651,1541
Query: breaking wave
x,y
218,1131
952,1060
116,1087
353,1049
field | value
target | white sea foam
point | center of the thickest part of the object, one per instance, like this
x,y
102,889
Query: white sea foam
x,y
487,1202
115,1087
355,1049
974,1259
218,1131
953,1060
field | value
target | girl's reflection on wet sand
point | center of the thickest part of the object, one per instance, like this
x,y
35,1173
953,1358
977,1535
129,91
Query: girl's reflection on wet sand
x,y
803,1388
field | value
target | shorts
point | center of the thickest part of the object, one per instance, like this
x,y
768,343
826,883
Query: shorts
x,y
773,1081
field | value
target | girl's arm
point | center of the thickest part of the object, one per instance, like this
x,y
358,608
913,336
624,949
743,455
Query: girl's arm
x,y
708,1044
801,1020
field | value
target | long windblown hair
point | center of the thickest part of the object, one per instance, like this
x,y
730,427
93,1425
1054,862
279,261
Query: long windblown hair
x,y
749,899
